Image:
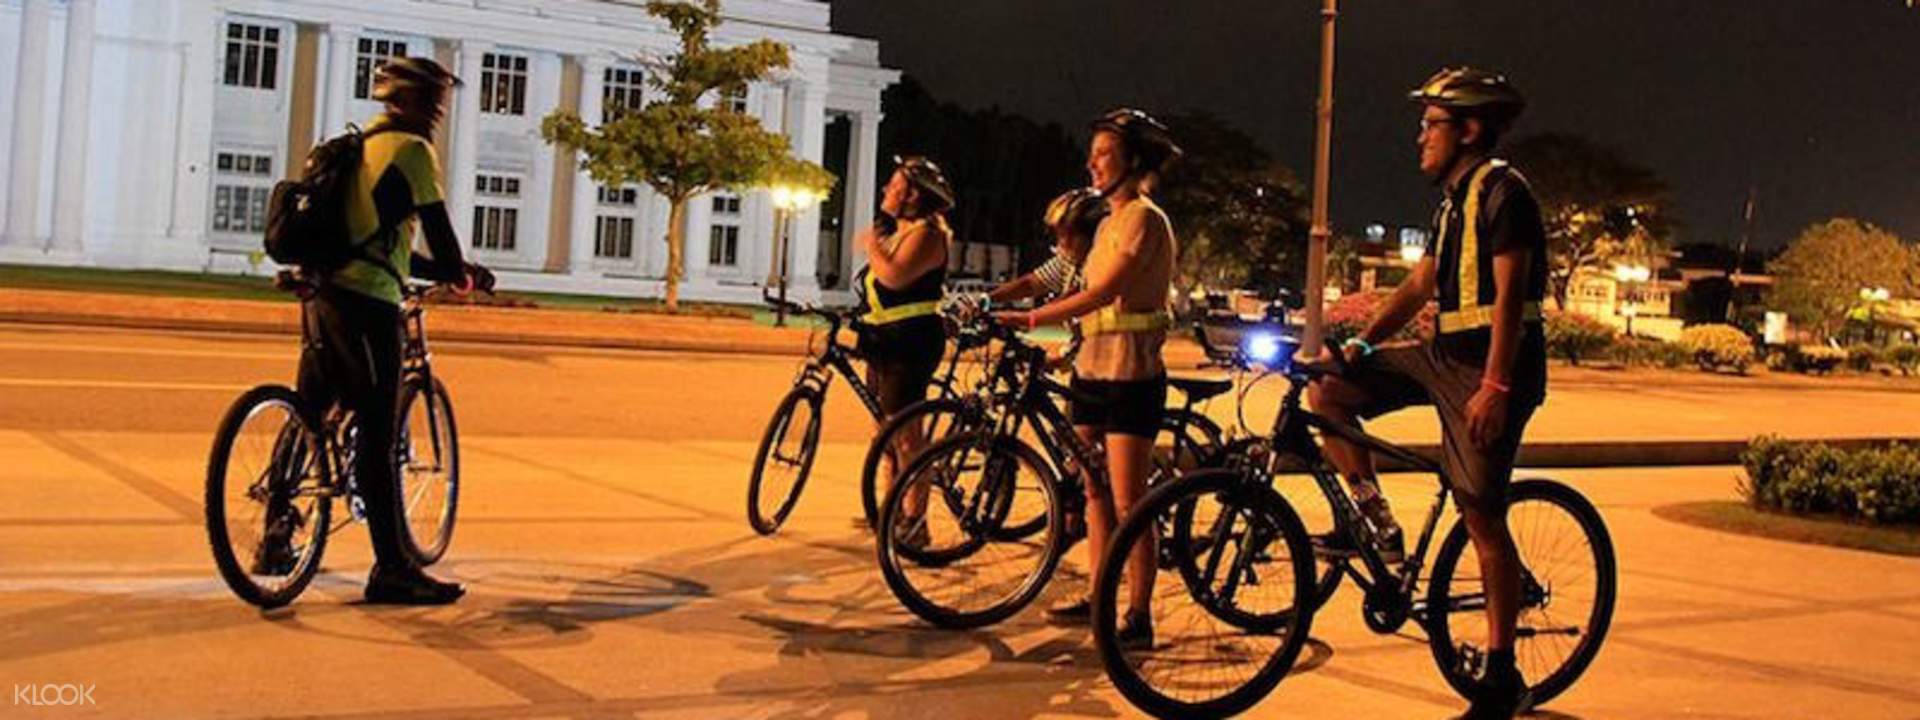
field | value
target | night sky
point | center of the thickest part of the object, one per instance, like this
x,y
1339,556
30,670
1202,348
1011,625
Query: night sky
x,y
1814,102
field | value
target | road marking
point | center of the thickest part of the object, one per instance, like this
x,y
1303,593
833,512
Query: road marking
x,y
163,352
98,384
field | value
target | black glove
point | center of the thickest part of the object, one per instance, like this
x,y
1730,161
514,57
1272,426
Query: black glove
x,y
482,278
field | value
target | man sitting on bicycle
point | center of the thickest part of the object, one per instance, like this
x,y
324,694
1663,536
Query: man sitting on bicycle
x,y
356,313
1485,368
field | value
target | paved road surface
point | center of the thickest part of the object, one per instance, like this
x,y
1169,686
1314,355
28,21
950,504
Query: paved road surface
x,y
613,575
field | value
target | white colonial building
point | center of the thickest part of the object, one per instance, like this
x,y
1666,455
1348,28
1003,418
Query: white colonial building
x,y
147,133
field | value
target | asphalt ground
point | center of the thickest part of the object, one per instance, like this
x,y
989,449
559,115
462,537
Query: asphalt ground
x,y
612,572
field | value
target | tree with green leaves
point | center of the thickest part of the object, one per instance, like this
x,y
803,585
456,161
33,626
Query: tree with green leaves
x,y
683,145
1598,206
1818,280
1241,215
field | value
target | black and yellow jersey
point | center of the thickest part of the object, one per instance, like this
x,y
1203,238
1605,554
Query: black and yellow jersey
x,y
399,177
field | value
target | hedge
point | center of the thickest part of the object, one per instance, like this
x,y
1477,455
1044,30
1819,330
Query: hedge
x,y
1877,485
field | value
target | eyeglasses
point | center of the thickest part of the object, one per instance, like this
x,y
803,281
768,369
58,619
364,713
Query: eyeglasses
x,y
1431,123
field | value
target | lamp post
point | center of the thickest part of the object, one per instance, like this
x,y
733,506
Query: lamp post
x,y
788,200
1630,277
1872,297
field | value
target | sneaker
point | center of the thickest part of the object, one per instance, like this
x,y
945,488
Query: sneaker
x,y
1501,695
409,587
1135,632
1392,546
1076,611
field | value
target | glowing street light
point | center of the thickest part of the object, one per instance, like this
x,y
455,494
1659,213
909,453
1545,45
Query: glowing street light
x,y
1631,276
788,200
1872,297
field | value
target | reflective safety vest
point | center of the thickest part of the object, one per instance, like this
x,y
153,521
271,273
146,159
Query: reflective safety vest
x,y
1470,306
1110,320
879,314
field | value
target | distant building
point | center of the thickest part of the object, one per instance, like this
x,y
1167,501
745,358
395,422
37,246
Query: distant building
x,y
145,134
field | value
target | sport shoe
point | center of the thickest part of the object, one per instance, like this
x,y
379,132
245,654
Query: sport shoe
x,y
1076,611
1499,696
409,587
1135,632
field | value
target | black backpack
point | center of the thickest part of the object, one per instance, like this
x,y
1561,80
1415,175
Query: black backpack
x,y
307,218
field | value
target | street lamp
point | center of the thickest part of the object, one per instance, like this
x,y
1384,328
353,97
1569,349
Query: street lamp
x,y
1631,276
1872,297
788,200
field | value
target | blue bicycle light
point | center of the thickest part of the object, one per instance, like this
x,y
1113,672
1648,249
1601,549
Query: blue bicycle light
x,y
1262,347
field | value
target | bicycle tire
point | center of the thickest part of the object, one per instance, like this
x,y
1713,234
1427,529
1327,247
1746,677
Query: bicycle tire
x,y
444,462
294,442
870,495
901,562
767,520
1288,628
1593,628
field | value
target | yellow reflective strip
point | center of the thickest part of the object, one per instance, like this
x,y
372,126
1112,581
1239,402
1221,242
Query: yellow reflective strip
x,y
1111,320
901,312
1470,238
1482,316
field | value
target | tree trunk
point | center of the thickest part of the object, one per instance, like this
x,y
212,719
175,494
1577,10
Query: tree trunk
x,y
676,251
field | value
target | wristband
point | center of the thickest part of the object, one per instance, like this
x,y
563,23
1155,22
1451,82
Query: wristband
x,y
1033,322
1366,348
1495,385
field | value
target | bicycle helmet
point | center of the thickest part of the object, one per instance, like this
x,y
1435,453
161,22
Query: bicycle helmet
x,y
1079,210
1480,93
412,73
1148,142
928,179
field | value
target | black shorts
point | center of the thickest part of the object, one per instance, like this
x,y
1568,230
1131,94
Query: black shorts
x,y
1403,376
902,359
1125,407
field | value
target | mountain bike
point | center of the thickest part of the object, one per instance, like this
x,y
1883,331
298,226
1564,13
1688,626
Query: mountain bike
x,y
277,465
1248,581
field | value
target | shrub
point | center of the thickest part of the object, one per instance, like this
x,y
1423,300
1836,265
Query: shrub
x,y
1877,485
1718,346
1905,357
1817,359
1349,315
1861,357
1648,352
1574,336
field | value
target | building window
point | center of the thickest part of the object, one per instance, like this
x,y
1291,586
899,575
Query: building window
x,y
373,53
613,225
723,247
624,92
503,84
734,100
242,183
613,237
253,56
496,212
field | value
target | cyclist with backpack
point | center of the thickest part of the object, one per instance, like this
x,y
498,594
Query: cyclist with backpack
x,y
1484,370
1123,306
901,288
394,185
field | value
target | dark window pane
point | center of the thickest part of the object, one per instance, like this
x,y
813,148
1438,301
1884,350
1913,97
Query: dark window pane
x,y
270,68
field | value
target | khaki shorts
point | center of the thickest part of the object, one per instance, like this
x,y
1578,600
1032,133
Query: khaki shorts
x,y
1402,376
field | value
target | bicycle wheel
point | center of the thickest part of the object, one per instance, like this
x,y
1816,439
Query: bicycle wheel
x,y
267,497
786,456
1226,635
1193,439
950,563
937,419
1567,591
428,459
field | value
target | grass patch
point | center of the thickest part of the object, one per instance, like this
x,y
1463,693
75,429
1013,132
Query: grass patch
x,y
242,287
140,282
1743,519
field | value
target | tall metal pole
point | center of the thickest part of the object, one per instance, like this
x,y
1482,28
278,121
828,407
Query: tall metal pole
x,y
780,217
1740,258
1322,152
